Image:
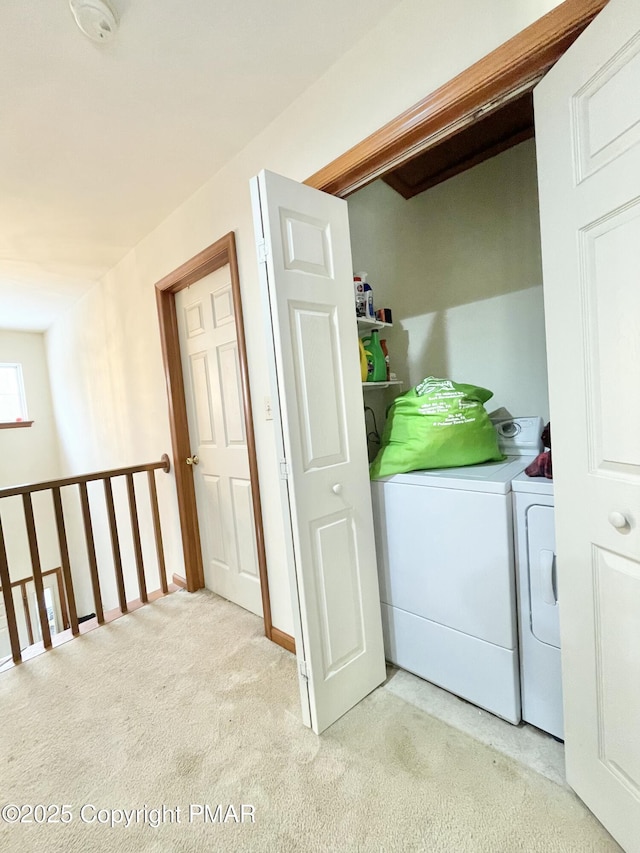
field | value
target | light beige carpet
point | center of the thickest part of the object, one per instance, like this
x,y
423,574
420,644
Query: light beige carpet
x,y
185,702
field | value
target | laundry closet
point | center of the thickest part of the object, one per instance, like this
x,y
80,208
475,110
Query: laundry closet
x,y
467,569
459,265
472,291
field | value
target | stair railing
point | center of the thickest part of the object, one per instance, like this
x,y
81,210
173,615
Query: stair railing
x,y
37,575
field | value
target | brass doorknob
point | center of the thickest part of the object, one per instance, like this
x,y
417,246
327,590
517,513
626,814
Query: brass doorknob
x,y
193,460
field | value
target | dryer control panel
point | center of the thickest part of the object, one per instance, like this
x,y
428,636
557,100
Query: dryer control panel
x,y
520,436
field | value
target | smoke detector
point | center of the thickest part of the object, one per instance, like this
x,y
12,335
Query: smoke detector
x,y
96,19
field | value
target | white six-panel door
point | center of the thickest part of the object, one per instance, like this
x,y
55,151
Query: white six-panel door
x,y
587,113
307,269
213,390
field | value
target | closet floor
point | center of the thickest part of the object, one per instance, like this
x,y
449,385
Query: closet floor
x,y
524,743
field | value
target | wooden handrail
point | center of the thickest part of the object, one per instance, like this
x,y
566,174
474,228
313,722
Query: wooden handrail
x,y
64,577
164,464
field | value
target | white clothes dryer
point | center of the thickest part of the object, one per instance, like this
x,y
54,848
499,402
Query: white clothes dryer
x,y
444,541
539,624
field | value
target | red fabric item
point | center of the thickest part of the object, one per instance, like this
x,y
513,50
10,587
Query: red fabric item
x,y
541,465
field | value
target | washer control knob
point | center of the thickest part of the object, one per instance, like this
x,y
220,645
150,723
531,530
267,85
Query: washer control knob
x,y
510,429
618,520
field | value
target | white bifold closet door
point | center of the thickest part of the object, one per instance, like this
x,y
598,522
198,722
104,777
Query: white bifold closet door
x,y
587,113
303,238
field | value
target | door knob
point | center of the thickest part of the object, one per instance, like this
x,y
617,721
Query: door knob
x,y
193,460
337,488
618,520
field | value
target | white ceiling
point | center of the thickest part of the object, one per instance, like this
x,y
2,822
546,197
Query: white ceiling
x,y
100,142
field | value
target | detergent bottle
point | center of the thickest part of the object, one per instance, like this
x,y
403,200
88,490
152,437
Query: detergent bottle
x,y
375,355
364,364
383,344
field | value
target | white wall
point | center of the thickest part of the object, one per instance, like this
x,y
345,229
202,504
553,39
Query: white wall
x,y
109,342
111,409
460,267
29,455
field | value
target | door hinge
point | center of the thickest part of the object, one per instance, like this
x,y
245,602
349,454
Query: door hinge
x,y
284,470
304,672
263,251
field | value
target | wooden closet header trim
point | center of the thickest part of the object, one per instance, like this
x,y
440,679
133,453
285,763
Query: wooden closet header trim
x,y
510,69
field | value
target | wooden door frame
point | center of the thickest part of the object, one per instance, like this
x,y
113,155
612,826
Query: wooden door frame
x,y
213,258
507,72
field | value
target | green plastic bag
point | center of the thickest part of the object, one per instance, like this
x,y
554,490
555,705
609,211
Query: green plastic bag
x,y
437,424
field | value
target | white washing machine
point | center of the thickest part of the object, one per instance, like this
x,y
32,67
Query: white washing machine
x,y
539,625
444,541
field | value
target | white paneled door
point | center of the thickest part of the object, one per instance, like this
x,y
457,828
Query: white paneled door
x,y
303,237
213,390
588,139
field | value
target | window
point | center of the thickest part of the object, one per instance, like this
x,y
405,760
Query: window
x,y
13,404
